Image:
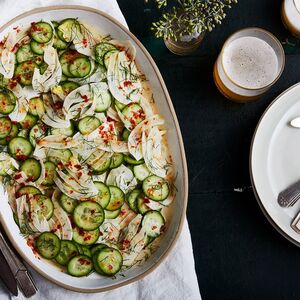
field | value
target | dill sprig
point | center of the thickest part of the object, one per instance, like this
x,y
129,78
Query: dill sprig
x,y
190,16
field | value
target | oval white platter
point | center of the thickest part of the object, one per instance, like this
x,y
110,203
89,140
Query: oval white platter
x,y
94,283
275,160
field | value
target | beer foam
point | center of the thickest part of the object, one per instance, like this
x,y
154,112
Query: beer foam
x,y
250,62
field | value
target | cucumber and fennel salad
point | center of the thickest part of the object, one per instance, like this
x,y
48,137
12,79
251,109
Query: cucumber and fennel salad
x,y
84,156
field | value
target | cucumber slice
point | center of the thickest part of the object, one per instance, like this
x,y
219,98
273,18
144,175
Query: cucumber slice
x,y
88,125
66,59
67,250
28,190
109,260
59,44
141,172
36,133
13,133
101,49
88,215
20,148
97,248
50,173
112,214
132,199
102,164
5,127
69,86
48,245
41,32
32,168
24,71
156,188
68,204
152,223
85,237
104,103
117,198
119,105
103,196
80,265
42,205
24,53
69,131
7,102
116,160
141,204
125,134
36,107
29,121
107,56
80,67
37,48
63,78
133,115
57,155
86,251
67,29
130,160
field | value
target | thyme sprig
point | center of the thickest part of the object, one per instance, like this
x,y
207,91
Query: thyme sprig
x,y
189,17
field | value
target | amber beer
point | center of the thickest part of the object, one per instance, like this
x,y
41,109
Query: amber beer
x,y
250,62
290,15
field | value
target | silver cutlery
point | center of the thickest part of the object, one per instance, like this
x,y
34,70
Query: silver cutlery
x,y
289,196
7,276
23,278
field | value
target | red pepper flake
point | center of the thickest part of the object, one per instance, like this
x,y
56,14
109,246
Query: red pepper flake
x,y
109,119
30,178
85,98
78,167
123,212
153,227
87,238
127,83
146,200
110,267
58,226
58,105
79,174
15,47
21,156
68,164
84,261
18,176
84,42
101,233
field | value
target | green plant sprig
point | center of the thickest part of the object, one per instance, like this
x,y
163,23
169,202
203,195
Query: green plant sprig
x,y
190,16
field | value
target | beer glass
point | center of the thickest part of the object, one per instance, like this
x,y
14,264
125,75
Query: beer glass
x,y
250,62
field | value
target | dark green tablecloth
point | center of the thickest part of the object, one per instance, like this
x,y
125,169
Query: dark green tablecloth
x,y
238,254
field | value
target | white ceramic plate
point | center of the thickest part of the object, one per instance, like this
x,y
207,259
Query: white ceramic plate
x,y
275,160
93,282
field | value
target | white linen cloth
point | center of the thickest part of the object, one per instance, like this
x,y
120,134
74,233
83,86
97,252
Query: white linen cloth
x,y
175,278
